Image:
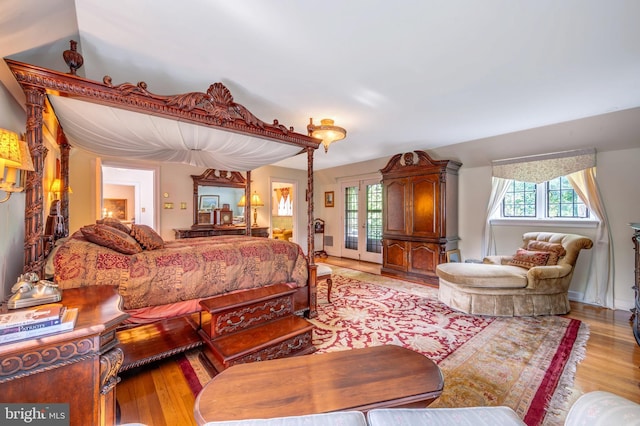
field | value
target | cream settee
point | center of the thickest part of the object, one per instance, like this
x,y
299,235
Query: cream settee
x,y
594,409
533,281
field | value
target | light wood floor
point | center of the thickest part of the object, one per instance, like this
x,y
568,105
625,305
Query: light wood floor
x,y
158,395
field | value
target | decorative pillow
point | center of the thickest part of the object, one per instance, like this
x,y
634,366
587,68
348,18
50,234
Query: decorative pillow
x,y
114,223
528,259
110,237
555,250
147,237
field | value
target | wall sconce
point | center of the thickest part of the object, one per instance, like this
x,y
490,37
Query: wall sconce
x,y
256,201
56,188
326,132
14,155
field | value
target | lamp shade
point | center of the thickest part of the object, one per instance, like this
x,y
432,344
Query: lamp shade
x,y
256,201
326,131
56,185
10,150
25,154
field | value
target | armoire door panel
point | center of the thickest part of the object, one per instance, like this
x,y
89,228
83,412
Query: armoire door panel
x,y
424,257
395,202
425,195
395,255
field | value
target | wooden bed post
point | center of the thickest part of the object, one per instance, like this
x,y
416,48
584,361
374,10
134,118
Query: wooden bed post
x,y
313,269
33,217
65,148
247,204
310,233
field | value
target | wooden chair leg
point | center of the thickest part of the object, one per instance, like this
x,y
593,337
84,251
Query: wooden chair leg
x,y
329,286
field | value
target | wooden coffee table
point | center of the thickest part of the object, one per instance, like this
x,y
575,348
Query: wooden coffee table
x,y
356,379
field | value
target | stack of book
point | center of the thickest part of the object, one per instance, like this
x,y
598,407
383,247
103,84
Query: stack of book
x,y
37,321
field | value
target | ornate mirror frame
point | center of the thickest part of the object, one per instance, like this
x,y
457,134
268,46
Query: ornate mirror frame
x,y
213,177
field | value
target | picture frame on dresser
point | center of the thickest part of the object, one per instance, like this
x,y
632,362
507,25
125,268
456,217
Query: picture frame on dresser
x,y
453,256
209,202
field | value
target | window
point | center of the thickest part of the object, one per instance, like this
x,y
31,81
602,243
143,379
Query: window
x,y
520,200
374,218
562,200
554,199
351,218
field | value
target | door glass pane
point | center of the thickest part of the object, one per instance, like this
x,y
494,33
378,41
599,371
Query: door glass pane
x,y
374,218
351,217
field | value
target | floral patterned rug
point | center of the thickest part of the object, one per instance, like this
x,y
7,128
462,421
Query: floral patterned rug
x,y
526,363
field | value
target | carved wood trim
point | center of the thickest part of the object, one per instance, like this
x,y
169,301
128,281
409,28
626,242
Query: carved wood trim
x,y
44,358
213,108
406,163
302,343
110,364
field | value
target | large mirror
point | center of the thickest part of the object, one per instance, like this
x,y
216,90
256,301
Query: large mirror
x,y
215,191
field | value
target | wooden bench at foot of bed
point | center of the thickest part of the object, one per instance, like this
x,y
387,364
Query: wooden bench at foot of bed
x,y
246,326
255,325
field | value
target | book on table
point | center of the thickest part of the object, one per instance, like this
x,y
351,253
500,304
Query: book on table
x,y
66,323
49,312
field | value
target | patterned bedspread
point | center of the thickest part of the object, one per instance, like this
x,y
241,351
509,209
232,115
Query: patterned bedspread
x,y
184,269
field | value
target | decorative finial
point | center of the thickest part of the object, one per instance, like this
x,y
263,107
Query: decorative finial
x,y
73,59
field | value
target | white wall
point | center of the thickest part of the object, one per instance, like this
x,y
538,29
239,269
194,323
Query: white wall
x,y
12,117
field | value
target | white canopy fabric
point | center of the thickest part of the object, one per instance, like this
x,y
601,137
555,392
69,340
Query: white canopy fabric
x,y
114,132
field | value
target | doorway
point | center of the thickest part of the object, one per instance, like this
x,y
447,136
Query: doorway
x,y
361,204
129,194
283,209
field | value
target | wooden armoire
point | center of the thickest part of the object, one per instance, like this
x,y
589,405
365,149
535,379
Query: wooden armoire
x,y
420,215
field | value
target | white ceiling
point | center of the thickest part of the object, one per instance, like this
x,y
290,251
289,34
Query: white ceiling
x,y
398,76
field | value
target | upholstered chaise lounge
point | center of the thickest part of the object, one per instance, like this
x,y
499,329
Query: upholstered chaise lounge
x,y
534,281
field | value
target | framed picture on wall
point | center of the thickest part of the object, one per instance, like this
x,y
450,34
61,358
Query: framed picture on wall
x,y
328,199
453,256
115,207
209,202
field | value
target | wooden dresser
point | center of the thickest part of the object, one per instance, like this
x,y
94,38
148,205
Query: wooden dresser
x,y
213,230
420,215
78,367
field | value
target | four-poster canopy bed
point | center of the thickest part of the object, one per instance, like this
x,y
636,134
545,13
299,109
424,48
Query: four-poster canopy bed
x,y
211,129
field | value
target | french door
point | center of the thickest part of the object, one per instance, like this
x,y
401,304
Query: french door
x,y
361,203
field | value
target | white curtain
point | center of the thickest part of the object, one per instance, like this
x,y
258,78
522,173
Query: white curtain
x,y
499,187
599,289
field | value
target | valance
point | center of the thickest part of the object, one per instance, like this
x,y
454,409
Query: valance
x,y
541,168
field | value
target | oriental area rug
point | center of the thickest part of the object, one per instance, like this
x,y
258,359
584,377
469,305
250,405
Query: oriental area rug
x,y
526,363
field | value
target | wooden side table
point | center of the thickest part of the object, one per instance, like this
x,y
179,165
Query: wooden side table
x,y
78,367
